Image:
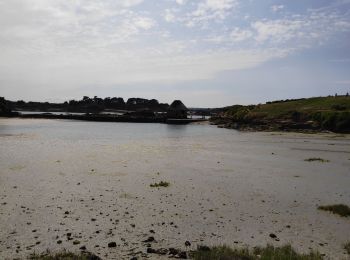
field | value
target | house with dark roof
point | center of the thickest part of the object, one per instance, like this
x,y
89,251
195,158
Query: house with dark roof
x,y
177,110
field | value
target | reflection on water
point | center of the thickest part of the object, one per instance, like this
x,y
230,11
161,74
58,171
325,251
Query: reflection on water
x,y
52,113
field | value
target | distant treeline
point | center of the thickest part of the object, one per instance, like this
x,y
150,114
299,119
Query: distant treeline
x,y
4,107
298,99
86,105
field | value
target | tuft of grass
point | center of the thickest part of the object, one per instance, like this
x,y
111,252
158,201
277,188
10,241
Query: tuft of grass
x,y
64,256
263,253
340,209
160,184
284,252
314,159
221,252
347,247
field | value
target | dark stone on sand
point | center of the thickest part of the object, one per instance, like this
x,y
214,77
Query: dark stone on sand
x,y
273,235
162,251
59,241
150,239
151,250
173,251
83,248
112,244
187,243
66,212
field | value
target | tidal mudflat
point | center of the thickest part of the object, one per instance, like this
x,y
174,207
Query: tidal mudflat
x,y
83,185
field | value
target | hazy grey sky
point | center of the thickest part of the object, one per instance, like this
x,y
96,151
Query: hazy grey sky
x,y
206,52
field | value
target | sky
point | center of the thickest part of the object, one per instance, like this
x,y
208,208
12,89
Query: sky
x,y
208,53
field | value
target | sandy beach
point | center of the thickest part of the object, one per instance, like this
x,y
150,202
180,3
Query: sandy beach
x,y
73,184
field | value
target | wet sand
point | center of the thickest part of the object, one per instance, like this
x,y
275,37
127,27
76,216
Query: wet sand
x,y
231,188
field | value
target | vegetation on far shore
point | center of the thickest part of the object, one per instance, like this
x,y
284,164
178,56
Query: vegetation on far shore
x,y
263,253
319,113
5,109
339,209
160,184
88,105
314,159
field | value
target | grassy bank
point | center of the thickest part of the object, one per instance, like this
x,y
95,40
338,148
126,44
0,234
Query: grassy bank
x,y
206,253
320,113
266,253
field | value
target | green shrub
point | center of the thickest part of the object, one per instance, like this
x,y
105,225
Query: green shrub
x,y
334,121
347,247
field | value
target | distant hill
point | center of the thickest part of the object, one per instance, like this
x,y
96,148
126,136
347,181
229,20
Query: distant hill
x,y
318,113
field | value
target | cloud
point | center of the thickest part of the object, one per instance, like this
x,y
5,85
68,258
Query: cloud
x,y
276,8
301,31
61,25
238,35
74,69
210,10
145,23
277,30
293,31
169,15
47,45
181,2
129,3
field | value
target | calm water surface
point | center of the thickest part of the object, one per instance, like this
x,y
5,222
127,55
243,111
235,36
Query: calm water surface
x,y
107,131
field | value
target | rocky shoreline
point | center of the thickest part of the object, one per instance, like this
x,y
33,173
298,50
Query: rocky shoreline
x,y
268,126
